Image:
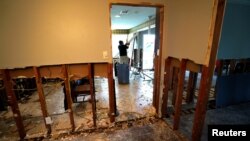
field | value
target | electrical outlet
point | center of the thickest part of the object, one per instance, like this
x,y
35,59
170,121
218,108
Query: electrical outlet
x,y
48,120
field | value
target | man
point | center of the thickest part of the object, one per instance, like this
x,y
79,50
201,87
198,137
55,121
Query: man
x,y
123,52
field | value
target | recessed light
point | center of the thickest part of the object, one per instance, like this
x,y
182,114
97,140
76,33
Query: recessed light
x,y
117,16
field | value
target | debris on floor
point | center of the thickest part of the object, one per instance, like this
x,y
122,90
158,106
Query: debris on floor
x,y
150,128
134,105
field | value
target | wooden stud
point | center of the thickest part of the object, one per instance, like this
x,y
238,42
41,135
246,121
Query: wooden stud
x,y
68,96
191,86
92,91
155,89
41,97
158,56
13,103
112,104
175,84
175,63
171,78
201,105
207,72
178,102
166,88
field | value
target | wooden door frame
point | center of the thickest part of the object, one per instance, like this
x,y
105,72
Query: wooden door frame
x,y
159,41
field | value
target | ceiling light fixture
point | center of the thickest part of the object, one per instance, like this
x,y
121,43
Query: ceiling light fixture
x,y
117,16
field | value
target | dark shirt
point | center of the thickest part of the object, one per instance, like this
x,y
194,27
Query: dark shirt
x,y
123,50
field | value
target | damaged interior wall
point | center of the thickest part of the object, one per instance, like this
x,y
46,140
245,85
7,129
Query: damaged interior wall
x,y
70,31
186,29
45,32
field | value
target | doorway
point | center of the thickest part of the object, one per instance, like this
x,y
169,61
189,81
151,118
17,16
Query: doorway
x,y
138,26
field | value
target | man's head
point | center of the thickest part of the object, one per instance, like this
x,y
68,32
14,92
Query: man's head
x,y
121,42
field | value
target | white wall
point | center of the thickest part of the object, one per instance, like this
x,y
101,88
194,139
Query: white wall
x,y
188,28
46,32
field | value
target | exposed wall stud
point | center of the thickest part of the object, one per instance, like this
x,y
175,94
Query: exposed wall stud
x,y
207,72
178,102
13,103
191,86
112,104
68,96
166,87
41,97
175,84
92,91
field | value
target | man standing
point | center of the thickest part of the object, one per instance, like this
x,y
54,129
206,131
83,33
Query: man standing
x,y
123,52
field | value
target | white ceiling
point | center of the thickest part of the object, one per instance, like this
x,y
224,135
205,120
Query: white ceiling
x,y
134,16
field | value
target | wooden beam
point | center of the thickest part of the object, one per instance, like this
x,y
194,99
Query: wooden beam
x,y
158,56
13,103
41,97
166,88
171,78
201,106
207,72
92,91
175,84
175,63
156,85
68,96
178,102
77,71
53,71
27,72
112,104
191,86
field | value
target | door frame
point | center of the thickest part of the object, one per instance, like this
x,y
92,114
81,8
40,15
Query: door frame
x,y
158,49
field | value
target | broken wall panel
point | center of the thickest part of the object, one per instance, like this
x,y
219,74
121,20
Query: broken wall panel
x,y
101,69
54,71
55,98
77,71
22,72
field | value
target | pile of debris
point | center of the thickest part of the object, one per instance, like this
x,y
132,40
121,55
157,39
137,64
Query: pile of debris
x,y
122,125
